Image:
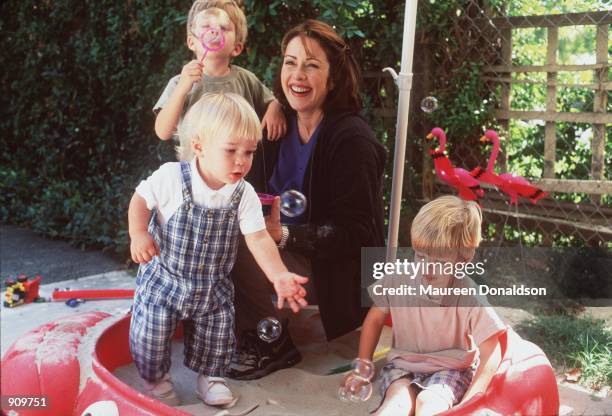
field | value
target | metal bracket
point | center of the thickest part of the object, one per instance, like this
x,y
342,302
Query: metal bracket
x,y
403,80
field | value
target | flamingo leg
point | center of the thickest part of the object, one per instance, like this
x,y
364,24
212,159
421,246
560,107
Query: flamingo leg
x,y
502,235
520,236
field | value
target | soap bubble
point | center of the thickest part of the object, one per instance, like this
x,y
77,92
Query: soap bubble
x,y
269,329
292,203
429,104
363,368
212,39
355,389
358,386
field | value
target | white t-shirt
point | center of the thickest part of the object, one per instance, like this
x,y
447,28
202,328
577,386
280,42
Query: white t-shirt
x,y
163,191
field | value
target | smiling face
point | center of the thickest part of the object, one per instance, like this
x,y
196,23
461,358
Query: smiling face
x,y
305,75
218,20
224,161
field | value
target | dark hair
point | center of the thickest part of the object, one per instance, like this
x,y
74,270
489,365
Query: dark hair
x,y
344,74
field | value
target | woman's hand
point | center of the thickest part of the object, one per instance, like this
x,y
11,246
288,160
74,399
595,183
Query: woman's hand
x,y
274,120
288,287
273,223
143,247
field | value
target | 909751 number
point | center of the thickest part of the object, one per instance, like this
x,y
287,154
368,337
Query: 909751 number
x,y
24,402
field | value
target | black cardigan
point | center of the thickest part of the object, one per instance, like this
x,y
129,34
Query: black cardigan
x,y
343,185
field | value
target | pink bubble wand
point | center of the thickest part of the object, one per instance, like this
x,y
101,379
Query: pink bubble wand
x,y
213,40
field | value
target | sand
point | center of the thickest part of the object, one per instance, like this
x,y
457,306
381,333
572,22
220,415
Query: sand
x,y
302,390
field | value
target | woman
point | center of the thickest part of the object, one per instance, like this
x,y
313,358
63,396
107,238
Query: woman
x,y
331,155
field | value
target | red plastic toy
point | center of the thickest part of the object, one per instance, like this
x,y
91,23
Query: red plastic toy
x,y
266,202
46,362
70,361
509,183
92,294
21,291
265,199
460,179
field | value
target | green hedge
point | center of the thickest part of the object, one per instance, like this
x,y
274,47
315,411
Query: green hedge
x,y
80,77
79,81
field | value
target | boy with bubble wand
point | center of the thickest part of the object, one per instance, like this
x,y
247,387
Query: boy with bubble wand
x,y
195,212
216,30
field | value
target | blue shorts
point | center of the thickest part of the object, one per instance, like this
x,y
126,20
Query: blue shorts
x,y
451,385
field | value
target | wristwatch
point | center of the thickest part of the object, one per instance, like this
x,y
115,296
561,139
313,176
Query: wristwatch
x,y
284,236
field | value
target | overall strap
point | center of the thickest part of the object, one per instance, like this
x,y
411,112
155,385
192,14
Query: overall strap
x,y
186,181
237,195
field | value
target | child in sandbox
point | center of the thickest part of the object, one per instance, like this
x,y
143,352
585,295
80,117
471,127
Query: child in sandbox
x,y
445,347
184,225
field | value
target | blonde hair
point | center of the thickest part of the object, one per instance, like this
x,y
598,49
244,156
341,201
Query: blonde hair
x,y
231,7
217,115
447,224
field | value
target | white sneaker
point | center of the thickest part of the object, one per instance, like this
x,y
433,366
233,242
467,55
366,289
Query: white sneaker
x,y
214,391
163,390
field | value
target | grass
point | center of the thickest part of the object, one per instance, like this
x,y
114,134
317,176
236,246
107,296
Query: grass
x,y
574,342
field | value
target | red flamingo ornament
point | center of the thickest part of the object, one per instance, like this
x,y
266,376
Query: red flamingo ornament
x,y
460,179
509,183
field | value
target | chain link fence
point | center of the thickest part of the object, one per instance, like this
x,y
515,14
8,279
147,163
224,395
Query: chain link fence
x,y
541,79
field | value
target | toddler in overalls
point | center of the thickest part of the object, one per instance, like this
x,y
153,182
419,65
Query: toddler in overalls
x,y
184,224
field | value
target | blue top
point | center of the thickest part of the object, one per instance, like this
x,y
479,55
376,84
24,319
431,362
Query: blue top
x,y
291,167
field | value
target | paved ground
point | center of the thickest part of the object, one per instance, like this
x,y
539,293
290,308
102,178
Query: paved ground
x,y
21,251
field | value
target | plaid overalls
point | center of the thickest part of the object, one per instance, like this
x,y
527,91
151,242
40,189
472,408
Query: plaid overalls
x,y
189,281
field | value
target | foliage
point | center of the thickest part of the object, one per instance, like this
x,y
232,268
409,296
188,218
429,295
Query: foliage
x,y
369,26
529,7
450,52
573,145
458,58
570,342
80,79
524,141
595,360
467,104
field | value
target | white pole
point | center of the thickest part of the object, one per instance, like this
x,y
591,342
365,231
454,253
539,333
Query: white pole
x,y
404,83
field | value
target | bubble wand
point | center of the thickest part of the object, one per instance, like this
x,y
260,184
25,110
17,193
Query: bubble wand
x,y
213,40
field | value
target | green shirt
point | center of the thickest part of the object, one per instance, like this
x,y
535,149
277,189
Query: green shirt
x,y
239,81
